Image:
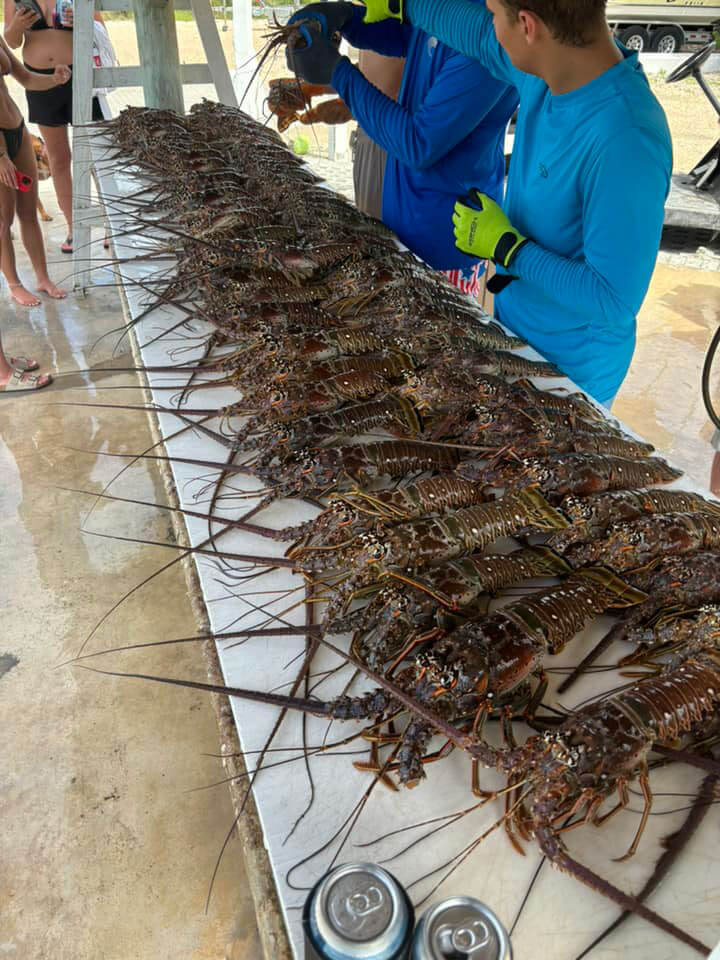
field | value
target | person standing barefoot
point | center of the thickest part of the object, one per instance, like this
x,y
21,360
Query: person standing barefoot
x,y
16,154
45,43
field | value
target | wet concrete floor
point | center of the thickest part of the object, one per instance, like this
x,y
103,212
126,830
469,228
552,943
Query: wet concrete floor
x,y
104,850
661,397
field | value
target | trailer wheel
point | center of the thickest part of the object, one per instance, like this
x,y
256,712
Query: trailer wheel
x,y
634,38
667,39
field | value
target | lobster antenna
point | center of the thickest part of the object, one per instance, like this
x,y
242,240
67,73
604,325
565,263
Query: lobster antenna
x,y
310,653
200,550
674,845
266,532
591,657
455,862
346,827
151,577
127,467
611,892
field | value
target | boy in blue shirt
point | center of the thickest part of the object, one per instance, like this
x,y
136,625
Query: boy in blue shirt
x,y
444,135
578,234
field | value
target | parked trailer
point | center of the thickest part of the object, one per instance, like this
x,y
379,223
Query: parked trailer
x,y
663,27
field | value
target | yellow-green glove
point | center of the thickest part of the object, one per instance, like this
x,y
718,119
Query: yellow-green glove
x,y
377,10
484,231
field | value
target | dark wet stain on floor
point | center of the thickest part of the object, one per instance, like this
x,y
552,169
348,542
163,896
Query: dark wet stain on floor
x,y
7,662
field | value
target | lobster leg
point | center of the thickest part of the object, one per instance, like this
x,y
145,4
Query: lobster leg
x,y
622,789
644,782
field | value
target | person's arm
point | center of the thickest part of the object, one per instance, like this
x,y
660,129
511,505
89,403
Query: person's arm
x,y
35,81
390,38
623,215
466,26
17,21
459,100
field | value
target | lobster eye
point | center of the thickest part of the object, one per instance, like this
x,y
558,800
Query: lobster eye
x,y
345,517
307,466
283,436
377,551
277,398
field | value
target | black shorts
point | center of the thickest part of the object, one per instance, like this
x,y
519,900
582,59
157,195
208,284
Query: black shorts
x,y
53,108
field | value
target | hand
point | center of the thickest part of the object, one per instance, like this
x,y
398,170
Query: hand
x,y
315,57
332,17
8,172
377,10
484,231
22,19
61,74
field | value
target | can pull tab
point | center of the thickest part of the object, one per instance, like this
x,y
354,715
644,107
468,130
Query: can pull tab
x,y
463,940
351,912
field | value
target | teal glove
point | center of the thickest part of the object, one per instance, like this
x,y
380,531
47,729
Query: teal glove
x,y
483,231
377,10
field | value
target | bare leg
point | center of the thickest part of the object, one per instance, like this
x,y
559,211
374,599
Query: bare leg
x,y
60,160
7,252
5,369
26,209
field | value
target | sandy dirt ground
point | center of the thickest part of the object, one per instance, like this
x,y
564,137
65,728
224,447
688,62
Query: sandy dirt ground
x,y
692,120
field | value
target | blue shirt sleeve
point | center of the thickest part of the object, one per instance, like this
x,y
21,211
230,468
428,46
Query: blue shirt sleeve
x,y
458,101
388,37
623,213
466,26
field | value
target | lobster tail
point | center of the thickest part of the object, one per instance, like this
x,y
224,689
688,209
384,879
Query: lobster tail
x,y
618,592
538,512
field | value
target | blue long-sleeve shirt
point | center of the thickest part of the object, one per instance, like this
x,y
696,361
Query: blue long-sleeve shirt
x,y
588,180
445,134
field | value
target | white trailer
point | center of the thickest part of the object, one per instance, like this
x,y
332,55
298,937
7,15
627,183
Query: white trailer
x,y
663,26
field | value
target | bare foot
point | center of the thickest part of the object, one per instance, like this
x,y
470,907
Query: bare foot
x,y
22,296
48,287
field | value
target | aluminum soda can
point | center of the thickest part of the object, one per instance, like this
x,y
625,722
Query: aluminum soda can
x,y
61,9
460,929
358,912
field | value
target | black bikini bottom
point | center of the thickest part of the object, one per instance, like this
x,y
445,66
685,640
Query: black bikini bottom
x,y
13,139
53,107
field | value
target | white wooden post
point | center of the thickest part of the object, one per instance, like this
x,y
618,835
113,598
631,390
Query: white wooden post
x,y
245,60
202,11
161,76
82,162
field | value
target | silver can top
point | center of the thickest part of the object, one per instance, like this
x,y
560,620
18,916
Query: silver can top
x,y
359,911
461,929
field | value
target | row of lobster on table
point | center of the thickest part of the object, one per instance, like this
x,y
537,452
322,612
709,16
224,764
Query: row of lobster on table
x,y
331,333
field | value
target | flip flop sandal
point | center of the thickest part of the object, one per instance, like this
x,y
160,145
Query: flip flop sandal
x,y
67,247
20,382
24,364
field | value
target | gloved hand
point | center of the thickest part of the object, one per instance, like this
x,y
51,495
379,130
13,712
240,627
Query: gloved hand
x,y
331,16
315,59
377,10
483,230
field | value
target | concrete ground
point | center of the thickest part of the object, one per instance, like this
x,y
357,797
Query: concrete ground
x,y
105,851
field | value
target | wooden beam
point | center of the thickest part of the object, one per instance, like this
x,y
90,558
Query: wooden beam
x,y
214,52
133,76
127,5
81,156
159,56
